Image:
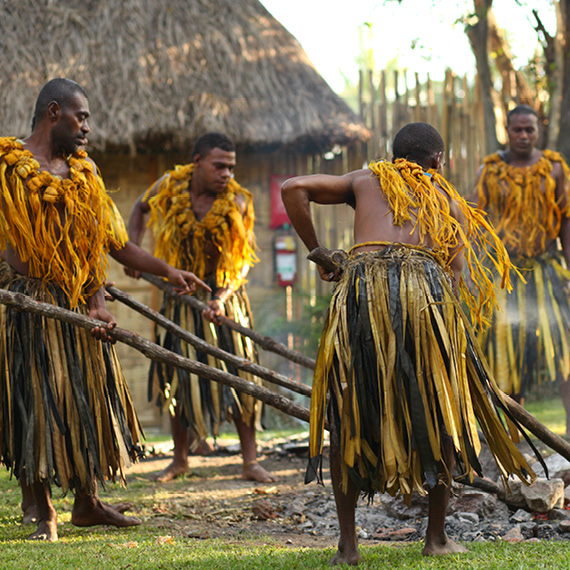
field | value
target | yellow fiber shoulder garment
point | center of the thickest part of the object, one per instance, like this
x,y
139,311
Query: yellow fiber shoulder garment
x,y
522,201
424,199
180,237
60,227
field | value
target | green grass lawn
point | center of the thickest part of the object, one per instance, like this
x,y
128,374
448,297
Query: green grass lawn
x,y
551,413
149,547
145,548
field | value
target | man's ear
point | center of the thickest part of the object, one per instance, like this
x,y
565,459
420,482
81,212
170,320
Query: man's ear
x,y
434,160
54,110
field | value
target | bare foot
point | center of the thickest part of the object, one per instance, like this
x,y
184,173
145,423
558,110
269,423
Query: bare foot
x,y
171,472
93,512
350,557
46,530
444,545
30,514
119,507
201,447
253,471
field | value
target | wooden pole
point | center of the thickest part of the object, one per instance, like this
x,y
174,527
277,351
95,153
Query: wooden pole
x,y
548,437
202,345
263,341
21,302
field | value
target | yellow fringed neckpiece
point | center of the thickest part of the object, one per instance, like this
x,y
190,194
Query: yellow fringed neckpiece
x,y
180,237
60,227
423,198
522,202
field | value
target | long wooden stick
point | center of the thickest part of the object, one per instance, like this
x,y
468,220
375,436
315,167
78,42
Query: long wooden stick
x,y
552,440
202,345
151,350
265,342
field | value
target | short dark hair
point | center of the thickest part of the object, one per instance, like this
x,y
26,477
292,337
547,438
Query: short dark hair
x,y
417,142
210,141
61,91
521,110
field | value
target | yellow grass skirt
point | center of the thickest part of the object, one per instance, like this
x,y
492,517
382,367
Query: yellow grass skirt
x,y
398,359
529,339
205,404
66,414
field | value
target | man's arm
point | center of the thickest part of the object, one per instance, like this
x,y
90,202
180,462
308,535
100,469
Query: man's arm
x,y
134,257
137,219
474,198
563,199
299,192
222,294
98,310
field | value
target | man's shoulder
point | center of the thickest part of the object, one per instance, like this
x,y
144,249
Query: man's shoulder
x,y
8,144
554,156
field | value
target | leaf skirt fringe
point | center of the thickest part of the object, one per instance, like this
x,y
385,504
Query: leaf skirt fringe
x,y
66,414
529,338
205,404
398,359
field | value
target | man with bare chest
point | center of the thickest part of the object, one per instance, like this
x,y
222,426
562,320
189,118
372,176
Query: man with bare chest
x,y
203,219
398,373
67,417
525,192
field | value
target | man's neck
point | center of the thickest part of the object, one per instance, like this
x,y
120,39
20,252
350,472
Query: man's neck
x,y
521,160
43,150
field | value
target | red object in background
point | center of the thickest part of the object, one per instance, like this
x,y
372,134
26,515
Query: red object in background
x,y
278,213
285,259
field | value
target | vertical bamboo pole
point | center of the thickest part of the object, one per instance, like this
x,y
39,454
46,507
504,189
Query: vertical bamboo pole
x,y
418,115
431,108
446,120
383,118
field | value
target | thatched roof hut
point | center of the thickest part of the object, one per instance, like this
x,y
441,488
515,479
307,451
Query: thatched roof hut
x,y
159,74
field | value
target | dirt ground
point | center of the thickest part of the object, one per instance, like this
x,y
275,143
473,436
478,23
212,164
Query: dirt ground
x,y
213,501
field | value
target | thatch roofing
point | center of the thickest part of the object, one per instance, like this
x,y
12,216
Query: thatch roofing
x,y
161,72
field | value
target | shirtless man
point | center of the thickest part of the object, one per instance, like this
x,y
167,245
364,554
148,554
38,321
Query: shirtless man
x,y
68,418
525,192
202,220
395,345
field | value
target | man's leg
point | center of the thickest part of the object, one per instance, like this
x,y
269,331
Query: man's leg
x,y
181,438
251,470
28,502
198,446
46,515
89,510
347,552
437,541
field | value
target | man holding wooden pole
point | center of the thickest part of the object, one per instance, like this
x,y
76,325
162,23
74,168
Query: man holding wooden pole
x,y
66,415
406,383
202,220
525,191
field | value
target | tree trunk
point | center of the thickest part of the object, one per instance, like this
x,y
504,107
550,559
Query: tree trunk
x,y
564,132
478,35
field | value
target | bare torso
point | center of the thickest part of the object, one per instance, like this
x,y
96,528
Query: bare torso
x,y
373,219
201,204
525,165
